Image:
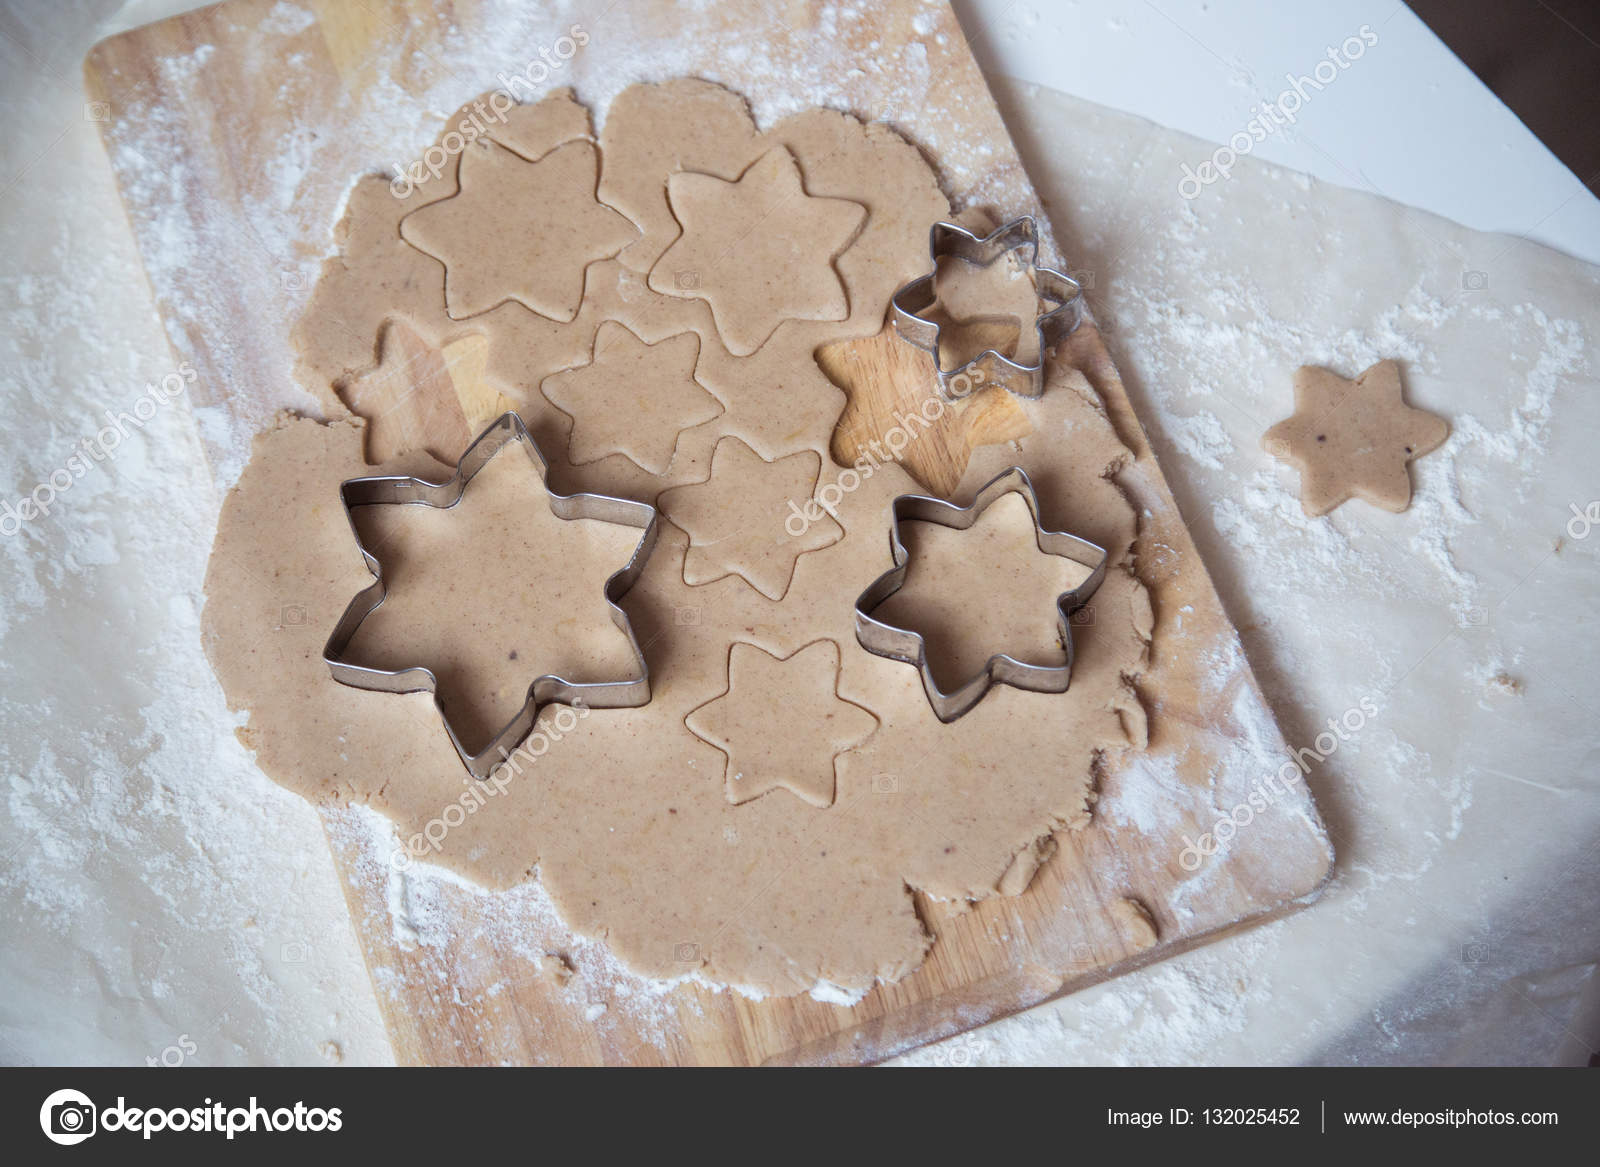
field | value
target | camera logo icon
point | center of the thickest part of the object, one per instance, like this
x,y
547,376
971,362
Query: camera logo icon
x,y
67,1117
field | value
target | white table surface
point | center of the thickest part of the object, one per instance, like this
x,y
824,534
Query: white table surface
x,y
214,949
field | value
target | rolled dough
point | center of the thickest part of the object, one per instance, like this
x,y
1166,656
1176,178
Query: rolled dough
x,y
626,815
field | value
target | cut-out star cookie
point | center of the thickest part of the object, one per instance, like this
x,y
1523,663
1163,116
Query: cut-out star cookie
x,y
1354,439
739,519
758,250
519,230
782,722
633,398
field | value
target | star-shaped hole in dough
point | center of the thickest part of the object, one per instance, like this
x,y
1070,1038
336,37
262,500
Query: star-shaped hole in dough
x,y
738,520
892,390
782,722
1354,439
410,399
519,230
633,398
758,250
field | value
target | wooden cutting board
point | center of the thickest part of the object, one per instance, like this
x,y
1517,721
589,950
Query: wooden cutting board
x,y
233,133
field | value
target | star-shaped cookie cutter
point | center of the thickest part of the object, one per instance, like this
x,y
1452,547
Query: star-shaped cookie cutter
x,y
902,644
950,240
546,689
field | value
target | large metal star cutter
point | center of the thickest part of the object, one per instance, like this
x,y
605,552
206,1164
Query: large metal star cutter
x,y
902,644
547,689
1020,238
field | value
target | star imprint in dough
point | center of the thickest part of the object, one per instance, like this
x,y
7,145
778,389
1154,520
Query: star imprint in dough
x,y
738,520
758,250
1353,439
782,722
633,398
519,230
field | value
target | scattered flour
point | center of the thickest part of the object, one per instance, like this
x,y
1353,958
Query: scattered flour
x,y
1202,437
427,908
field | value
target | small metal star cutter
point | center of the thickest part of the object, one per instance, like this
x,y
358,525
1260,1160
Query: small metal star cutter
x,y
902,644
545,690
990,366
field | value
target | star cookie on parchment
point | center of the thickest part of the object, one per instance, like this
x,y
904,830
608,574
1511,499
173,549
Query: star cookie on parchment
x,y
633,398
782,722
1353,439
739,519
758,250
519,230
